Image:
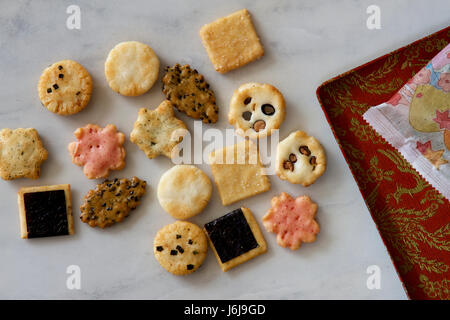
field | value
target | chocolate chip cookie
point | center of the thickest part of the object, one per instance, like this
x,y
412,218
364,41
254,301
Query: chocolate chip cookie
x,y
190,93
112,201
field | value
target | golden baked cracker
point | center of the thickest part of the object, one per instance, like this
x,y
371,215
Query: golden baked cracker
x,y
301,159
256,109
190,93
65,87
21,153
158,131
238,172
235,238
184,191
180,247
112,201
45,211
422,110
231,41
131,68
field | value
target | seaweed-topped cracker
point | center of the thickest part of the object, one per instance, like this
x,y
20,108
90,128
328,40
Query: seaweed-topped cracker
x,y
235,238
45,211
65,87
231,41
111,201
21,154
190,93
180,247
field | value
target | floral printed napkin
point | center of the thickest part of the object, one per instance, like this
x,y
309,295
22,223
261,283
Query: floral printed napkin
x,y
416,121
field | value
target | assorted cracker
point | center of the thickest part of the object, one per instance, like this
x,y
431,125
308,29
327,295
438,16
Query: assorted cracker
x,y
131,68
111,201
21,154
256,109
65,87
180,247
300,159
238,172
45,211
184,191
235,238
292,220
190,93
158,131
231,42
98,150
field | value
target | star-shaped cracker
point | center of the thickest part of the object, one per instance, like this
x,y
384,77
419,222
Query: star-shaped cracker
x,y
98,149
158,131
292,220
435,157
21,154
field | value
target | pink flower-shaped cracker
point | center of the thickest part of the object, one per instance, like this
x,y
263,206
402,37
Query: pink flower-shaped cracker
x,y
292,220
98,149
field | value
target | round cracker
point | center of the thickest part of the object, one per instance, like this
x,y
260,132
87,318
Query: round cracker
x,y
300,167
180,247
65,87
131,68
249,106
184,191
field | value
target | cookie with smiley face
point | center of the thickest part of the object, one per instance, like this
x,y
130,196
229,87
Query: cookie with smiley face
x,y
300,159
256,109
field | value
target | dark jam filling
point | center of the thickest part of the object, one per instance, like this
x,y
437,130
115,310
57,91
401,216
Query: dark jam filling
x,y
46,213
231,235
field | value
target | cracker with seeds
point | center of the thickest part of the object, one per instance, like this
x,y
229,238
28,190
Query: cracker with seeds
x,y
238,172
45,211
190,93
21,154
231,42
65,87
180,247
235,238
158,131
300,159
112,201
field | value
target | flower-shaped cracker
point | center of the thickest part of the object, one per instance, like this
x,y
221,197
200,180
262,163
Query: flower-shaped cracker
x,y
292,220
98,150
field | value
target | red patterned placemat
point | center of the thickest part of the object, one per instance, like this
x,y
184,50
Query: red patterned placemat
x,y
412,218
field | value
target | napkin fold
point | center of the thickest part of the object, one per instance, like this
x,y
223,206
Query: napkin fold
x,y
416,121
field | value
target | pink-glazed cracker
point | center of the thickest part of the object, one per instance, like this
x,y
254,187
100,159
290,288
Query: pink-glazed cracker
x,y
98,149
292,220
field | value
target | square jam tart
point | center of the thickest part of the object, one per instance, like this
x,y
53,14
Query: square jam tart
x,y
45,211
235,238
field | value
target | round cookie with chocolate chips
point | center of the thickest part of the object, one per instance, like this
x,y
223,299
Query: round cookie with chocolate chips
x,y
111,201
300,159
256,109
65,87
180,247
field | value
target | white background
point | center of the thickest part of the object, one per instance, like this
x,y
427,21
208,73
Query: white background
x,y
306,43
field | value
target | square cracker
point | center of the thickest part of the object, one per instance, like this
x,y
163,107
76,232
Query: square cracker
x,y
22,213
238,172
261,248
231,41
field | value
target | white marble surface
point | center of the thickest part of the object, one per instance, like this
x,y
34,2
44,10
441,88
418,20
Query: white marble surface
x,y
306,43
